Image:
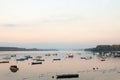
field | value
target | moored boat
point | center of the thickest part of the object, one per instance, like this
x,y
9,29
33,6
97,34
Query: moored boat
x,y
67,76
34,63
4,61
14,68
70,55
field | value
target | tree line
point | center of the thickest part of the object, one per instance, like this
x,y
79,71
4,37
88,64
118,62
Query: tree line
x,y
24,49
103,48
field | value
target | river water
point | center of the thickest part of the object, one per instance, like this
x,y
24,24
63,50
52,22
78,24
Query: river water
x,y
90,68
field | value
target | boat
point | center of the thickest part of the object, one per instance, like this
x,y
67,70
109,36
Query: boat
x,y
117,54
67,76
82,57
47,54
13,55
57,59
40,59
21,59
55,54
4,61
86,58
35,63
70,55
14,68
102,59
28,57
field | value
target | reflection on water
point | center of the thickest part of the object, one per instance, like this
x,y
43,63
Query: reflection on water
x,y
89,66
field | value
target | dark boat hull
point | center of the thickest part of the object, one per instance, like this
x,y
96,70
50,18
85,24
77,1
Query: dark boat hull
x,y
67,76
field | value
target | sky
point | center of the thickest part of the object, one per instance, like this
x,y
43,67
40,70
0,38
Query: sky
x,y
59,23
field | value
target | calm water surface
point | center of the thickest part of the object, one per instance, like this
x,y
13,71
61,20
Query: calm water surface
x,y
104,70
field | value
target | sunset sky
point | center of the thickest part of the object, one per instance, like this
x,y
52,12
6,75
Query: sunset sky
x,y
59,23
